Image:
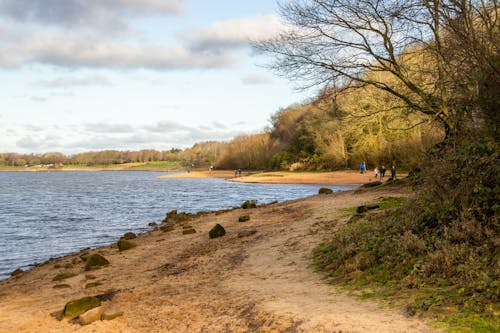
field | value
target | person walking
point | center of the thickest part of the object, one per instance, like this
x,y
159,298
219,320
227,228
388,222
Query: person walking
x,y
382,173
375,171
393,172
362,168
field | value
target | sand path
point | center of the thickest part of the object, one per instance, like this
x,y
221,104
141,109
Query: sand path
x,y
189,283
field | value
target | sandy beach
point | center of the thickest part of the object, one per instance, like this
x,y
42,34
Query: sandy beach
x,y
256,278
349,177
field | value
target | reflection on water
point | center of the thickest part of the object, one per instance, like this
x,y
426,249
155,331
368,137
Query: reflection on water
x,y
44,215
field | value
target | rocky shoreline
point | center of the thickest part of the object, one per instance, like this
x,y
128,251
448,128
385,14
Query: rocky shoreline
x,y
253,276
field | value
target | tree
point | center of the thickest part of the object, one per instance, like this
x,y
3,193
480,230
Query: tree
x,y
340,42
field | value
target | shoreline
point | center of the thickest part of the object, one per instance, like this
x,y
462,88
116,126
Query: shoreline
x,y
344,177
257,277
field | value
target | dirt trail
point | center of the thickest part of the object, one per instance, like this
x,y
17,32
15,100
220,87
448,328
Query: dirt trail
x,y
189,283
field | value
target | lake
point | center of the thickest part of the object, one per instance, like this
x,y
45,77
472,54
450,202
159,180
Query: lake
x,y
50,214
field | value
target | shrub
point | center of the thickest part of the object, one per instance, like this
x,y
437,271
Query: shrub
x,y
443,240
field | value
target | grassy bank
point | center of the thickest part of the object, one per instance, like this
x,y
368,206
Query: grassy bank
x,y
388,252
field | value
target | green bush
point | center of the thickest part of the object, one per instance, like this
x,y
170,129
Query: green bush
x,y
444,241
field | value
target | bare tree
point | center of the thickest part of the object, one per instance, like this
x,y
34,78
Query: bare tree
x,y
347,42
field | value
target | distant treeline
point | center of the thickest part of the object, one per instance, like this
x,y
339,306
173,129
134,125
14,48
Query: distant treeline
x,y
104,157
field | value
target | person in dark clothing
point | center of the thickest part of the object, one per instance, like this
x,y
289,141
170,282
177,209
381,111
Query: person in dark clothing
x,y
393,172
382,173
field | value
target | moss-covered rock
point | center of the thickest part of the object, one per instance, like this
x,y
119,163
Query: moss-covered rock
x,y
129,235
244,218
92,284
167,227
246,233
325,190
111,315
124,245
217,231
95,260
249,204
365,208
61,286
75,308
63,276
188,231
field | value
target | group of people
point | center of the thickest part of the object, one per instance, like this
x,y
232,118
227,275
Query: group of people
x,y
379,173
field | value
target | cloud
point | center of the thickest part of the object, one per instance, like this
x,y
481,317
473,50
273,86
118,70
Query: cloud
x,y
165,126
40,141
100,14
255,78
235,32
66,82
69,50
161,135
107,128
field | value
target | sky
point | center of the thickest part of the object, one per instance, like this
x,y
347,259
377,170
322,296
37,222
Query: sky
x,y
80,75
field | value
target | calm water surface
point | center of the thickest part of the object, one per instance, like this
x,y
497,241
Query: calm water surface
x,y
49,214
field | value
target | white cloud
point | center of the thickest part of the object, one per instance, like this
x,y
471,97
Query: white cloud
x,y
236,32
67,82
97,136
88,14
71,50
108,128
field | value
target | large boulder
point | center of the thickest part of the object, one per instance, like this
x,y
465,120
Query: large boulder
x,y
217,231
75,308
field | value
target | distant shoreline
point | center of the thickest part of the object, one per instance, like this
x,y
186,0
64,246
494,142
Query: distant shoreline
x,y
91,169
345,177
